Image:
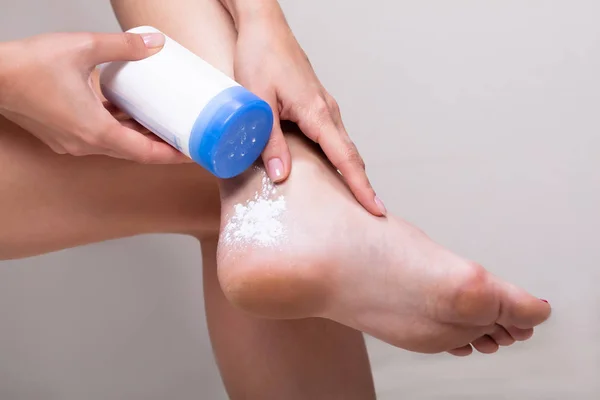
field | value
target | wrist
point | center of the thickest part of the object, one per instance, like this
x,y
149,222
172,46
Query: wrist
x,y
253,11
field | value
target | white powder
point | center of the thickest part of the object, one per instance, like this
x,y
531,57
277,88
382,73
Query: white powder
x,y
257,221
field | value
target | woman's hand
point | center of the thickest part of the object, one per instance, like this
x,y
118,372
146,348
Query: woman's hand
x,y
45,87
270,62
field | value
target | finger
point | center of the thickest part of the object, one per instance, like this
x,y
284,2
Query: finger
x,y
462,351
276,155
501,336
343,154
120,116
80,148
115,111
55,147
485,345
125,120
104,47
134,125
134,146
334,108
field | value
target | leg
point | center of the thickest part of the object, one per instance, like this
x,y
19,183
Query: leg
x,y
305,276
51,202
258,359
306,248
294,359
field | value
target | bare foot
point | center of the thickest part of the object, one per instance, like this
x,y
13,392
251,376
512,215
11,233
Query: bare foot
x,y
306,248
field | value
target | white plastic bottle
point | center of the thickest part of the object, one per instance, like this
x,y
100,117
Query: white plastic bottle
x,y
192,106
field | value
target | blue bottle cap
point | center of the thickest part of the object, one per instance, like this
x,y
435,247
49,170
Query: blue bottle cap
x,y
231,132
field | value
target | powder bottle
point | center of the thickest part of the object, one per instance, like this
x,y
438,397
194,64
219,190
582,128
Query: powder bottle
x,y
192,106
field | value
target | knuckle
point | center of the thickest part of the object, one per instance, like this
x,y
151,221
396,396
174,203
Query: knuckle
x,y
353,157
87,132
129,40
333,104
145,154
89,42
144,158
57,149
276,140
135,44
75,149
96,138
320,108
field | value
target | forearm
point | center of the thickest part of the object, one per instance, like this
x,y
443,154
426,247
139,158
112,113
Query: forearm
x,y
190,22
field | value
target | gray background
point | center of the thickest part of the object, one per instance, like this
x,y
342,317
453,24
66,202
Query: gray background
x,y
479,122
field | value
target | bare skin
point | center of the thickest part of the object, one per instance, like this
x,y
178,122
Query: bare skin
x,y
381,276
51,202
289,359
338,262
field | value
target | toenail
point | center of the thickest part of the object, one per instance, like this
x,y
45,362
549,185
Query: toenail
x,y
379,203
545,301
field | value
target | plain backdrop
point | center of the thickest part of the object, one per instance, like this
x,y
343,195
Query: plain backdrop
x,y
479,122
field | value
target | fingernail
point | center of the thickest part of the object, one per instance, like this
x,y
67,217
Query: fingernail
x,y
380,205
545,301
275,169
153,40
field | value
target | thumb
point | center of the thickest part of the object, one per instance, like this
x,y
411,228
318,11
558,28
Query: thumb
x,y
276,155
107,47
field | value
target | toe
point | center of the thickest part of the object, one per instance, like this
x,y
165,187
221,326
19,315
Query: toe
x,y
501,336
520,309
485,345
479,298
520,334
462,351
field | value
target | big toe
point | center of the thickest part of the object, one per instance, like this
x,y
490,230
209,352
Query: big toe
x,y
520,309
